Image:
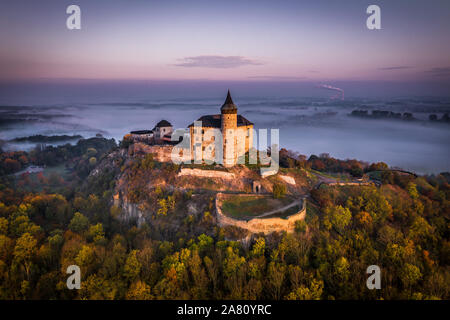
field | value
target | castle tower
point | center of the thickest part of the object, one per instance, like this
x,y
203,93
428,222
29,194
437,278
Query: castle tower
x,y
229,131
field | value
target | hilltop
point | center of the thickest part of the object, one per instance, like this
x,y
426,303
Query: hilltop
x,y
173,198
183,199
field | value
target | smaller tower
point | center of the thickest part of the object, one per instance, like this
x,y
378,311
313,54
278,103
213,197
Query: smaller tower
x,y
229,131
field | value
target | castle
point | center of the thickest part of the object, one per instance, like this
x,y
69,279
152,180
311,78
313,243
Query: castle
x,y
235,131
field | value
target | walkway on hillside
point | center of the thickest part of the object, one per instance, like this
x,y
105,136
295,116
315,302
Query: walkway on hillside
x,y
269,213
334,181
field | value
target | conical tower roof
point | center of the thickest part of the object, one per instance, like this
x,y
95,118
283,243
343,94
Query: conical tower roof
x,y
229,106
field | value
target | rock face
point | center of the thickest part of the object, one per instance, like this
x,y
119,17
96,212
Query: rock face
x,y
131,211
256,225
288,179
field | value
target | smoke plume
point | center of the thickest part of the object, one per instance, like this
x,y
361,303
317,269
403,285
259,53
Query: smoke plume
x,y
340,91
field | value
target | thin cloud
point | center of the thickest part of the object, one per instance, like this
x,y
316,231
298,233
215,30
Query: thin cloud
x,y
220,62
439,71
394,68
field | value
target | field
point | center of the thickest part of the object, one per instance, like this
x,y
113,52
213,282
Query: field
x,y
239,207
284,214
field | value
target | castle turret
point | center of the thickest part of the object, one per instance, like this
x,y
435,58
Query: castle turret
x,y
229,128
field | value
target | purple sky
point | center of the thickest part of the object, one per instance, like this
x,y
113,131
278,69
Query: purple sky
x,y
226,40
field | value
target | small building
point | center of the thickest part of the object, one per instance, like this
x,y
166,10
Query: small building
x,y
162,129
142,135
161,134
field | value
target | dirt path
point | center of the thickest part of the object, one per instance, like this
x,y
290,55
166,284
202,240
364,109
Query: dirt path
x,y
298,202
322,180
334,181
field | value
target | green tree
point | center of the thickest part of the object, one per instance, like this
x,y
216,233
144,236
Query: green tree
x,y
86,259
132,266
97,234
3,226
25,251
79,223
337,217
259,247
412,190
162,207
139,290
275,278
314,292
410,274
279,190
300,226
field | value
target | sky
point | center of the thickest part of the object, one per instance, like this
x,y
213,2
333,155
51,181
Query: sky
x,y
260,40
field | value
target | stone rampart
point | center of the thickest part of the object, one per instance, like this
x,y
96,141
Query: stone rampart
x,y
206,173
256,225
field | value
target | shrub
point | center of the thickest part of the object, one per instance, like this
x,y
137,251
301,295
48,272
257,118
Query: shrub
x,y
279,190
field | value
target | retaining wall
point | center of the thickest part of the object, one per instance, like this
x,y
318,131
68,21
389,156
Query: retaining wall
x,y
256,225
206,173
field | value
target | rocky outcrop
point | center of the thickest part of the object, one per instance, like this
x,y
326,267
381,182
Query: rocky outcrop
x,y
131,211
287,179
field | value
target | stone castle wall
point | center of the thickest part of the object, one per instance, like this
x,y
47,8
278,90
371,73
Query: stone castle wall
x,y
256,225
206,173
350,183
162,153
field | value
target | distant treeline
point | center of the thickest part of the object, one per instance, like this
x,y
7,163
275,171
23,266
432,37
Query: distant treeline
x,y
81,157
42,139
383,114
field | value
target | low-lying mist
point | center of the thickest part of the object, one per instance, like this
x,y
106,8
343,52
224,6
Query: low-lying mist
x,y
307,125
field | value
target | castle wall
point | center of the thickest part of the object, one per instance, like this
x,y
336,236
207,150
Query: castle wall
x,y
206,173
257,225
161,153
241,139
200,146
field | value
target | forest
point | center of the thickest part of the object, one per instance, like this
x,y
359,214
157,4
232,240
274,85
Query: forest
x,y
401,226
